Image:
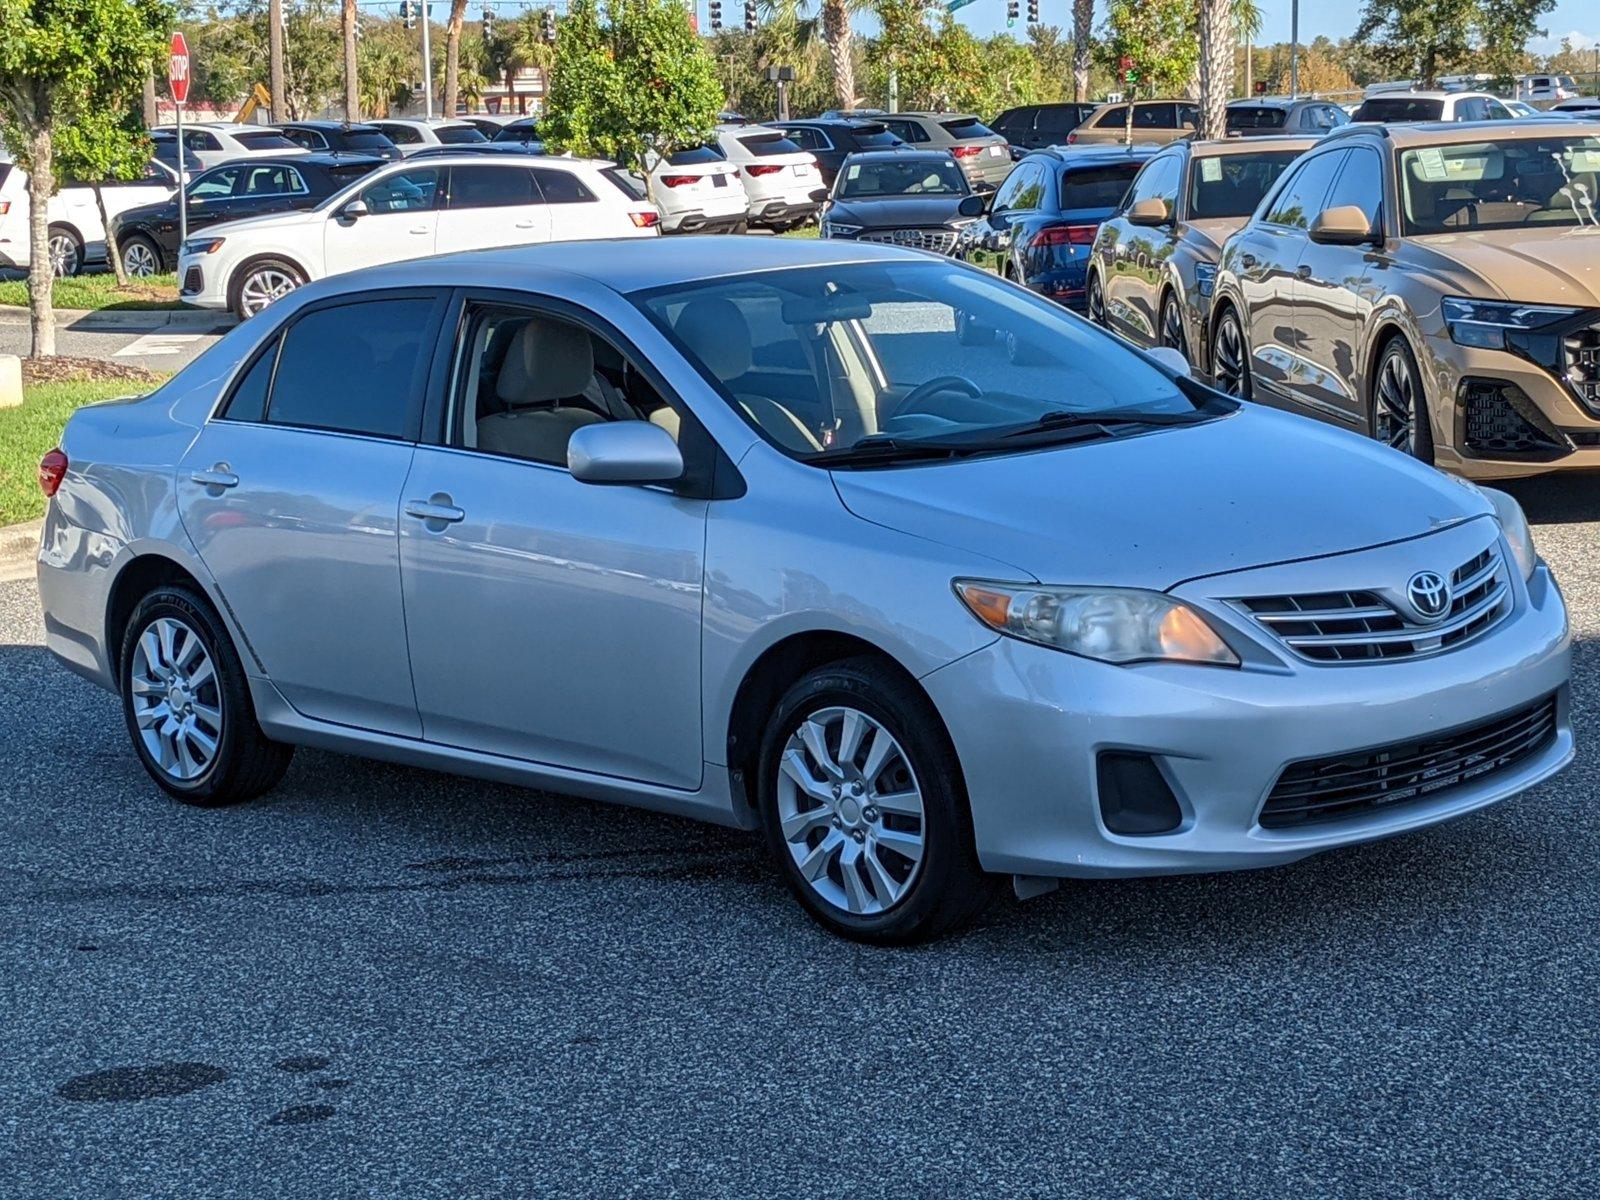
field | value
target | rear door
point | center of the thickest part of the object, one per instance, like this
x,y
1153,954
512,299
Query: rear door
x,y
491,204
576,212
291,496
401,222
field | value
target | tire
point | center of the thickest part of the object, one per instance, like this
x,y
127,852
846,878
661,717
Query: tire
x,y
1094,300
1397,408
923,878
1170,331
1230,356
141,257
257,284
174,707
66,251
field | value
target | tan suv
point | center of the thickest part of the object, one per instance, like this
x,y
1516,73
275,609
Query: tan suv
x,y
1155,122
1154,262
1436,286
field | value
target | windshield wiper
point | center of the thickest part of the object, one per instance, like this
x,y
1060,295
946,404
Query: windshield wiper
x,y
880,448
1106,421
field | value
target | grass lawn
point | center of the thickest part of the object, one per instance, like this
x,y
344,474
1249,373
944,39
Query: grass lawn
x,y
27,432
99,291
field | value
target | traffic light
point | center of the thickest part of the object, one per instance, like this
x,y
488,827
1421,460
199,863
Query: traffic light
x,y
1033,12
1012,11
550,26
749,16
716,15
488,23
408,13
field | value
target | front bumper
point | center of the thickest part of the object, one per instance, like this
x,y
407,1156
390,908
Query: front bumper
x,y
200,281
1029,724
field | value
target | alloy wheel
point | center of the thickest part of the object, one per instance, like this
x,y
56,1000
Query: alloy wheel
x,y
1394,418
177,699
1172,327
264,285
1227,366
139,260
63,255
1096,301
850,810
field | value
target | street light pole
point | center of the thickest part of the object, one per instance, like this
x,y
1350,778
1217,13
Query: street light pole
x,y
427,62
1294,49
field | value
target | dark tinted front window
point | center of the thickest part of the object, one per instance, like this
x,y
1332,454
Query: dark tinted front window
x,y
1015,121
353,368
1097,187
766,145
1302,196
1232,185
249,399
490,187
366,139
265,141
1380,108
964,128
562,187
1256,117
458,135
918,176
404,191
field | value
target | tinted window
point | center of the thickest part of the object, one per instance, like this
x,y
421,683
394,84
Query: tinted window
x,y
249,399
367,139
490,187
1154,116
874,137
1158,181
765,145
562,187
214,184
265,141
345,173
310,139
402,135
967,127
404,191
199,139
1394,108
907,131
1015,121
1256,117
1097,187
273,180
695,156
1359,184
1056,121
458,135
1302,196
806,139
1116,114
1232,185
353,368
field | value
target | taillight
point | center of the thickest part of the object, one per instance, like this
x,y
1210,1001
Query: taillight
x,y
5,207
762,170
680,180
967,151
1065,235
644,220
52,469
1072,138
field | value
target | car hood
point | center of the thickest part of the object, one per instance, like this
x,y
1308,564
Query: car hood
x,y
897,213
277,220
166,210
1534,264
1155,510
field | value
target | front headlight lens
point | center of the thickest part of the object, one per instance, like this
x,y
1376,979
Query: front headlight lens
x,y
1514,524
1205,277
1484,323
204,245
839,229
1114,625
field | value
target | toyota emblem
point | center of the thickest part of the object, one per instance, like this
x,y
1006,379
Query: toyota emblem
x,y
1429,595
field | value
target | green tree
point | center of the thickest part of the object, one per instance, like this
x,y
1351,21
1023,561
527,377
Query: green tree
x,y
104,141
54,56
1423,39
631,82
1157,37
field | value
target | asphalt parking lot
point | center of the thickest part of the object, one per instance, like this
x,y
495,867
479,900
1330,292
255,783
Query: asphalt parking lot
x,y
381,982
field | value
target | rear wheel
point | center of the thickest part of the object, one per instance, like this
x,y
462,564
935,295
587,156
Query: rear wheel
x,y
864,808
262,282
141,257
1399,405
66,251
1230,356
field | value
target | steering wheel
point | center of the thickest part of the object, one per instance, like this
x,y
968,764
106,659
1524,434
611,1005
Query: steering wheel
x,y
932,387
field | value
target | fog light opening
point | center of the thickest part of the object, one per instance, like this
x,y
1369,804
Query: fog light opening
x,y
1135,798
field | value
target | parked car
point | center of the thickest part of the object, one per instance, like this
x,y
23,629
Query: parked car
x,y
1459,323
411,135
340,136
1034,126
926,630
979,150
1155,123
1273,116
1154,263
832,140
490,124
77,235
1044,217
1583,106
524,131
917,198
1545,87
699,191
517,148
166,153
783,187
147,236
1391,107
217,142
410,210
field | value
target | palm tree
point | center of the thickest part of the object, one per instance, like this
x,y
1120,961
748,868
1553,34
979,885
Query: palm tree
x,y
1083,46
795,28
1221,21
352,74
452,55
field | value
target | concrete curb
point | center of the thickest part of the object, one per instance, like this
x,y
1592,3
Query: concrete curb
x,y
190,320
19,546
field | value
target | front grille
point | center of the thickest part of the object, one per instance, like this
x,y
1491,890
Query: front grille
x,y
1495,424
1326,789
940,241
1363,626
1580,356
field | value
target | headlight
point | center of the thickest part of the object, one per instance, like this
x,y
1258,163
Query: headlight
x,y
839,229
1114,625
205,245
1205,277
1484,323
1514,524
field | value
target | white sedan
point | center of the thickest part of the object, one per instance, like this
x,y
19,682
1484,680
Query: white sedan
x,y
412,210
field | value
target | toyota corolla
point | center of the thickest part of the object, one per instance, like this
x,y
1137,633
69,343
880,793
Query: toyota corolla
x,y
741,530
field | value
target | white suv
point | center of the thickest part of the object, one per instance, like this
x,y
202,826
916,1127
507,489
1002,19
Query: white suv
x,y
217,142
411,135
698,191
781,179
1392,107
77,235
411,210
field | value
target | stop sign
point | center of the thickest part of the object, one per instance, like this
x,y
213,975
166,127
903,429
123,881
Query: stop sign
x,y
178,68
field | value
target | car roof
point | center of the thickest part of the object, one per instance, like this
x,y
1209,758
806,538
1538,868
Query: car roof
x,y
929,115
1219,147
316,158
900,155
327,125
1273,102
474,155
1096,153
1447,133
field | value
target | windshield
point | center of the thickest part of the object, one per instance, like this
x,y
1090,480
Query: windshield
x,y
459,135
898,358
1399,109
265,141
1550,181
1256,116
906,176
1231,185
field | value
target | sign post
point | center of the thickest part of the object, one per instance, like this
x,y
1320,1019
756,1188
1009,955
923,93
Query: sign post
x,y
178,81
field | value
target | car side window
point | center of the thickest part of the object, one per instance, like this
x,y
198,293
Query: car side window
x,y
404,191
1117,114
562,187
1301,195
907,131
1470,108
1360,184
807,138
248,402
491,187
1159,180
213,185
402,135
1496,111
1019,178
199,139
1030,193
353,368
1154,116
273,180
310,139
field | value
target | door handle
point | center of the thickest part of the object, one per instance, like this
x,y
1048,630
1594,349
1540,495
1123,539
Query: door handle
x,y
1247,260
1303,271
419,230
217,477
525,224
435,508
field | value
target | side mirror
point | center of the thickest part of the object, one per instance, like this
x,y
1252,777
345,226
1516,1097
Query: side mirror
x,y
1346,225
1170,358
354,211
971,206
819,196
1148,212
624,452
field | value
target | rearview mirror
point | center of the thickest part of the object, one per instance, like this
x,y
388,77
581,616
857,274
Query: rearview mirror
x,y
624,452
1345,225
355,210
1150,211
971,206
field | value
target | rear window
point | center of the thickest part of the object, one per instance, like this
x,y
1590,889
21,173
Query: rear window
x,y
265,141
1097,187
345,172
1257,117
768,145
967,127
1382,108
562,187
874,137
695,156
458,135
626,182
1232,185
367,139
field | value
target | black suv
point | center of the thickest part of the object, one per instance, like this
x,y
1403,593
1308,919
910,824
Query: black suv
x,y
831,140
340,137
1031,126
147,237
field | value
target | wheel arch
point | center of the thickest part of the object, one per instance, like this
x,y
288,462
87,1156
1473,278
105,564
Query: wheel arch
x,y
236,276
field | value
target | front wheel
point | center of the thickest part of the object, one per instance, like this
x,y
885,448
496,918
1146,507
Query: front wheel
x,y
864,807
141,257
1095,300
1230,356
1172,326
1399,409
259,284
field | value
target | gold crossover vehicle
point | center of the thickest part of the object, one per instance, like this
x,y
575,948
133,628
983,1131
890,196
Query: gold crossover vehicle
x,y
1154,263
1155,122
1435,285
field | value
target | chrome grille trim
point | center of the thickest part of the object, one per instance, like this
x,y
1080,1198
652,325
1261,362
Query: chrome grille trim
x,y
939,241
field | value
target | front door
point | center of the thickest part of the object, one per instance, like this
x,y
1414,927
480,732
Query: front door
x,y
291,496
1140,254
401,222
550,620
